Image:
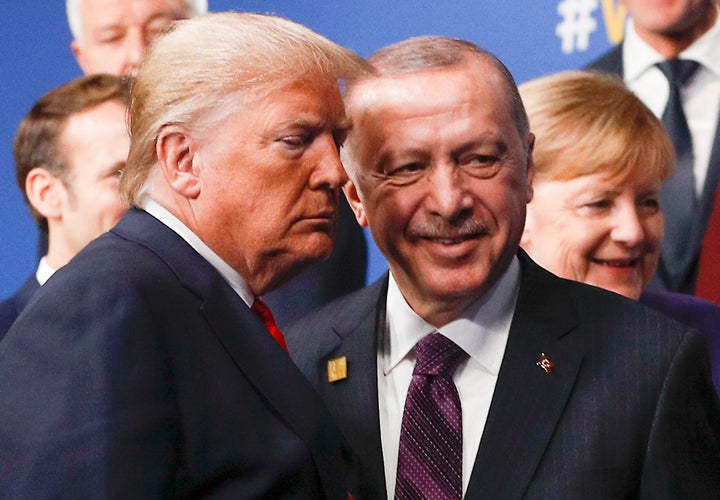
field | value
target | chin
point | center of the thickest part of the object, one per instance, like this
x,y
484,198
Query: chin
x,y
629,291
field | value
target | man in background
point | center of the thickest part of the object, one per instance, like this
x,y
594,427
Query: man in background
x,y
468,371
670,58
69,151
112,36
148,367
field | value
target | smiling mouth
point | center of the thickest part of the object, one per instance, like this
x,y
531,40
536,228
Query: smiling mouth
x,y
617,263
451,240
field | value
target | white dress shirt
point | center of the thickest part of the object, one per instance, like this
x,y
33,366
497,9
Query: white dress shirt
x,y
44,271
700,97
231,276
481,331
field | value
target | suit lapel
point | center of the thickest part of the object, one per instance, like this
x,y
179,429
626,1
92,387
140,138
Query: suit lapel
x,y
354,400
611,62
528,402
256,354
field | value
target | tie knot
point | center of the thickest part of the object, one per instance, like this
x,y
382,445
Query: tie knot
x,y
437,355
678,71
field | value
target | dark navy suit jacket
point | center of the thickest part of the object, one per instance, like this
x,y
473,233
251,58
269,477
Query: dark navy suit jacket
x,y
629,410
700,314
11,307
612,62
137,372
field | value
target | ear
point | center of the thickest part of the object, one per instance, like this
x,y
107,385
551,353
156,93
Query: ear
x,y
353,199
46,193
175,152
77,51
530,169
526,238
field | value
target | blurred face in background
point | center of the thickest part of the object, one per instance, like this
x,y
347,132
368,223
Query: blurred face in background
x,y
95,146
597,230
671,18
115,34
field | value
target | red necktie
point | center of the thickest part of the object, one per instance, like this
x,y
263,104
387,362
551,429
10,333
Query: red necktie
x,y
708,283
263,311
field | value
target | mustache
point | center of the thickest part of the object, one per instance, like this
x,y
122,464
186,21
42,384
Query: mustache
x,y
443,229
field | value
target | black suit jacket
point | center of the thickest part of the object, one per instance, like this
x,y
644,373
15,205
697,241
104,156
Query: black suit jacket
x,y
612,62
137,372
11,307
628,411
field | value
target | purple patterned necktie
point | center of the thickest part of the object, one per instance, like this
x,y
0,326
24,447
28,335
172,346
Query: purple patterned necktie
x,y
430,457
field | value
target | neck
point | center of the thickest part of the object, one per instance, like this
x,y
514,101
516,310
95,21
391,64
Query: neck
x,y
671,44
60,250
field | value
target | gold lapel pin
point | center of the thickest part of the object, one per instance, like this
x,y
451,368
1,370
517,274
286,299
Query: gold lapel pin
x,y
545,363
337,369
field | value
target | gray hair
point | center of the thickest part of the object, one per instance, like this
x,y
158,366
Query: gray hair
x,y
426,53
75,21
198,73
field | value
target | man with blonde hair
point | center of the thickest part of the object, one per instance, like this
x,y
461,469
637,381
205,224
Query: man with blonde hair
x,y
112,36
148,367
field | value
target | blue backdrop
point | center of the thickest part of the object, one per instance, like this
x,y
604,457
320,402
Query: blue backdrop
x,y
532,37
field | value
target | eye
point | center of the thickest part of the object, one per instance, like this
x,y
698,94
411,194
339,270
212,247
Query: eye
x,y
479,165
649,205
403,174
408,169
599,204
596,207
297,141
112,37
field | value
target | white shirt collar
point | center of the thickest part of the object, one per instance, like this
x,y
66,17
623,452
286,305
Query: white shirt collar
x,y
44,271
481,330
638,56
236,281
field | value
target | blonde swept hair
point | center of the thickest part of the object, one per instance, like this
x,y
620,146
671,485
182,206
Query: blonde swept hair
x,y
586,122
204,68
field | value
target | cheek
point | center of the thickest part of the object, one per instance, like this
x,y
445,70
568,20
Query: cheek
x,y
570,246
654,230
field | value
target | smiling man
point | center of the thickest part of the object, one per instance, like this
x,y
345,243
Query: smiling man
x,y
468,371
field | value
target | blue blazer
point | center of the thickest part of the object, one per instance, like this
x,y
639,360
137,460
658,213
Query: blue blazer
x,y
137,372
629,410
11,307
612,63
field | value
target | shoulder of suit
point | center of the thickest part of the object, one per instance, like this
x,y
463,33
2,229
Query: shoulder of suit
x,y
343,312
610,62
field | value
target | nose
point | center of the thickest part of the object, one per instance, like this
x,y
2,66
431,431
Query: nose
x,y
136,44
328,172
628,226
448,197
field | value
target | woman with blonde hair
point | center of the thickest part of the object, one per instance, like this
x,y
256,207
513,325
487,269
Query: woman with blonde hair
x,y
600,159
